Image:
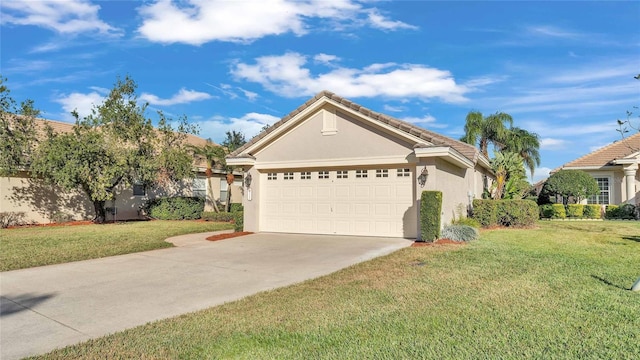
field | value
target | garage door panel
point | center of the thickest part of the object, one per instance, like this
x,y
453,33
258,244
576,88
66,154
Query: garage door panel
x,y
373,206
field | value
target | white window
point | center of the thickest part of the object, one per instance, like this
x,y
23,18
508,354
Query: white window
x,y
362,174
342,174
272,176
305,175
603,197
139,189
382,173
288,176
224,187
403,172
199,187
323,174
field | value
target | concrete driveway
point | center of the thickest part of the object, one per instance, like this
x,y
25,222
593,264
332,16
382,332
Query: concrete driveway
x,y
54,306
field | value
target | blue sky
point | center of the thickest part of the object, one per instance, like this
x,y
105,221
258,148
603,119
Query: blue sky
x,y
562,69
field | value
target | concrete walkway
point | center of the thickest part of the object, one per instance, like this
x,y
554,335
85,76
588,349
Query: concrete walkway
x,y
54,306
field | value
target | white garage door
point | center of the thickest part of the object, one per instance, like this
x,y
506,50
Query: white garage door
x,y
370,202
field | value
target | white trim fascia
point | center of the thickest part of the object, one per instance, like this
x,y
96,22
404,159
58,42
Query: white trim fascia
x,y
241,161
332,163
318,104
603,168
627,161
445,152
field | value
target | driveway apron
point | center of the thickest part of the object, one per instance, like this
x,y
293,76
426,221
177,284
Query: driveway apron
x,y
54,306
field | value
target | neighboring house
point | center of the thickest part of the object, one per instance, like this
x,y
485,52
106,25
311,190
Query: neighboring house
x,y
615,168
40,202
334,167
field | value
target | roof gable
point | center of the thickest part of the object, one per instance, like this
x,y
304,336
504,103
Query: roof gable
x,y
422,137
607,155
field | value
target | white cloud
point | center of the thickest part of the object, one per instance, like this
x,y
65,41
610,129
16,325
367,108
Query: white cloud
x,y
427,121
82,103
65,17
540,173
287,75
182,97
391,108
249,124
553,31
325,59
552,144
380,22
198,22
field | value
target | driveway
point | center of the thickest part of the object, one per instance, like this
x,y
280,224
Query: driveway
x,y
54,306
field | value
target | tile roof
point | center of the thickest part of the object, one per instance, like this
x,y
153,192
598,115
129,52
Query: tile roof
x,y
606,155
467,150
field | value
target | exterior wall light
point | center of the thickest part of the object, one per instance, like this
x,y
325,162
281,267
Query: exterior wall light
x,y
422,178
247,180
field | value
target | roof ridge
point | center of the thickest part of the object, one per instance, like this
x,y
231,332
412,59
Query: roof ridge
x,y
470,151
603,149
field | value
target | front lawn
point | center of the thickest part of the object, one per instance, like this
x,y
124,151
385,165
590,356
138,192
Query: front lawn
x,y
556,292
36,246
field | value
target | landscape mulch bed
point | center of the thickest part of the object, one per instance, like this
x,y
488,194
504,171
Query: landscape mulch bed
x,y
228,235
437,242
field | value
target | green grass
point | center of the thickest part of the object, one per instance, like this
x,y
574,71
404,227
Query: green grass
x,y
36,246
555,292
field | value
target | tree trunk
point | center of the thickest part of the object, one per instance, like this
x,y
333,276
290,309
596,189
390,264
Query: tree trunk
x,y
228,206
101,213
210,200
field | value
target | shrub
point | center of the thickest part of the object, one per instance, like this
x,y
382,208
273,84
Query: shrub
x,y
505,212
592,211
546,211
238,220
430,210
11,218
467,221
459,233
175,208
559,212
612,212
627,211
485,211
60,217
214,216
575,210
235,207
517,212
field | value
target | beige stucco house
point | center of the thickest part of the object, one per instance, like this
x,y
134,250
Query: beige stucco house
x,y
616,169
39,202
334,167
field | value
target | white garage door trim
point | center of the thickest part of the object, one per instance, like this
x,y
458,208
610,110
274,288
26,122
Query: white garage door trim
x,y
367,202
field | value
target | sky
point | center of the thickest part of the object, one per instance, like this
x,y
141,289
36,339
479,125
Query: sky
x,y
563,70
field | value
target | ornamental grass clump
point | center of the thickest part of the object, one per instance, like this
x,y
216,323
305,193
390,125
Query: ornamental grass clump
x,y
460,233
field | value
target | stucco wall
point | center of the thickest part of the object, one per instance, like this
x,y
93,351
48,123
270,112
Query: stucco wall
x,y
40,202
353,139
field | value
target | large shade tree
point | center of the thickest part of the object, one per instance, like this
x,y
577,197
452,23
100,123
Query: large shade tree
x,y
114,147
17,131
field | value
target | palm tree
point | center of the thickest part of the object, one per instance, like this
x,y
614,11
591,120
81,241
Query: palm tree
x,y
525,144
212,154
481,131
508,167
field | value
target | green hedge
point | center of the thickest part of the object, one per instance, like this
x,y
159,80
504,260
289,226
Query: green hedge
x,y
174,208
623,212
505,212
430,210
592,211
236,207
214,216
238,220
575,210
